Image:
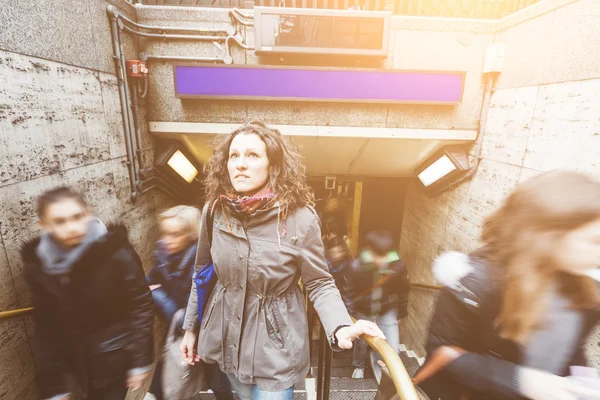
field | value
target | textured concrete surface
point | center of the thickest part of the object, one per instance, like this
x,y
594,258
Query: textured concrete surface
x,y
542,50
72,32
60,123
530,129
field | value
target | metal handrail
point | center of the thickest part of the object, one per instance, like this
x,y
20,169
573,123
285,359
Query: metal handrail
x,y
426,286
22,312
402,381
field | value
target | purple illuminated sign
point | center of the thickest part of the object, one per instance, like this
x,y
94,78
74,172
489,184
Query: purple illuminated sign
x,y
318,84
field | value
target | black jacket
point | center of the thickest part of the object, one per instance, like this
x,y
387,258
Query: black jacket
x,y
98,326
174,273
361,278
465,316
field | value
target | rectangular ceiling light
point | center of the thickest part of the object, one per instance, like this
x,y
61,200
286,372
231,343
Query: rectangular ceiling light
x,y
436,171
182,166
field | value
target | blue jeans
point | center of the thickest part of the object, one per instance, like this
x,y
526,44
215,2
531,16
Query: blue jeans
x,y
388,323
165,306
252,392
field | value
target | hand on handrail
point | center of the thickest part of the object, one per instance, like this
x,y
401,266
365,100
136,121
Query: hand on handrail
x,y
346,335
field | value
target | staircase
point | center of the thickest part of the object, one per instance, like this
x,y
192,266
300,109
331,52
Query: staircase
x,y
342,386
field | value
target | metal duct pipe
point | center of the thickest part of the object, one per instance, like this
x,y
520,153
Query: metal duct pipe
x,y
149,57
173,28
241,18
487,95
120,74
166,36
143,92
136,123
129,111
238,42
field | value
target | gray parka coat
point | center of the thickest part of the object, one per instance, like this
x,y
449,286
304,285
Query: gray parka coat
x,y
254,324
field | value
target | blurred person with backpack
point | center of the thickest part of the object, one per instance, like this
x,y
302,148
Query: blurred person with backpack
x,y
376,289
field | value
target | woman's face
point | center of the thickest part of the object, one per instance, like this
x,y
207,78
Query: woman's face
x,y
248,164
578,251
174,235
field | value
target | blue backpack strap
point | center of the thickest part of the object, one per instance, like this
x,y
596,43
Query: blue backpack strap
x,y
205,278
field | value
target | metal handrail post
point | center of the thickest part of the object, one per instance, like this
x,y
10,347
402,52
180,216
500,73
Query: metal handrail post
x,y
328,357
321,366
311,327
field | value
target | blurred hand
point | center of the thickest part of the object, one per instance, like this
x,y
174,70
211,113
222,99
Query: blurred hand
x,y
539,385
346,335
152,287
135,382
188,348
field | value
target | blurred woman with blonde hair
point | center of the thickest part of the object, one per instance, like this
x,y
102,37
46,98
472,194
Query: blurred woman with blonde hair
x,y
515,315
171,276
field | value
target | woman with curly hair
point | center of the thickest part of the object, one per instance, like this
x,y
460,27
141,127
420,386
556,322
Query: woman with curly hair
x,y
265,237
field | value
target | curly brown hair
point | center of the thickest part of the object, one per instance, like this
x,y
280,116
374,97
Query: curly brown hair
x,y
520,240
287,173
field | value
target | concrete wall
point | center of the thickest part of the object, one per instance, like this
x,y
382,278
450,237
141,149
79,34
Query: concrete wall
x,y
543,116
60,123
416,43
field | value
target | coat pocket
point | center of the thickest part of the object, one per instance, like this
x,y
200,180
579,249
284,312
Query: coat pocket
x,y
208,314
273,326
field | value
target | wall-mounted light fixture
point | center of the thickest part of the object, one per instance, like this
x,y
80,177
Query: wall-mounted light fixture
x,y
174,159
182,166
443,167
176,168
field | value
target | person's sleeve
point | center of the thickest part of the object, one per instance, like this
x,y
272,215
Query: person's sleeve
x,y
320,284
486,374
141,312
52,347
153,276
190,322
454,324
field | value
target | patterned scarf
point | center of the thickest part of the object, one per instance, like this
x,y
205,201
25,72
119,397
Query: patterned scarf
x,y
249,205
242,206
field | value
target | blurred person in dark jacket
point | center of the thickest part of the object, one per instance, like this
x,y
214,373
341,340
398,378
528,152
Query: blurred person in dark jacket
x,y
335,240
171,276
93,309
514,316
170,281
376,288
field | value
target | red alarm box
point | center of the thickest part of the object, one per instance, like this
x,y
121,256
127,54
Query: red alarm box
x,y
136,69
